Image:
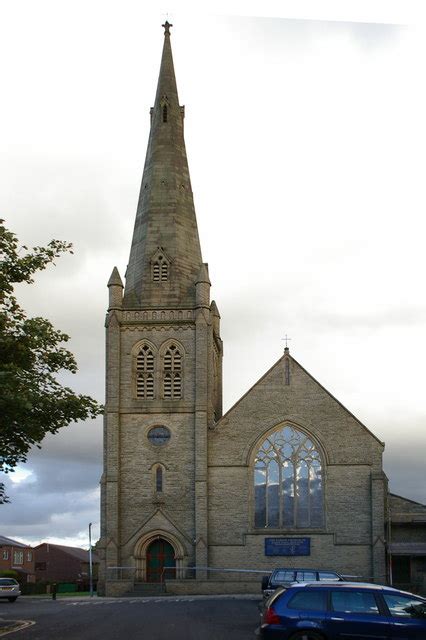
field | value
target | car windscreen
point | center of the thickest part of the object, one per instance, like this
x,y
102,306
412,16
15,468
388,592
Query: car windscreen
x,y
306,576
329,576
282,575
7,582
402,606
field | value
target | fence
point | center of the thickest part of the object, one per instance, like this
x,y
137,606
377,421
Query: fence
x,y
120,573
187,573
216,573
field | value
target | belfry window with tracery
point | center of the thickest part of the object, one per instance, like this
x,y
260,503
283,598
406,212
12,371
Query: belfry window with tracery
x,y
172,380
160,269
145,373
288,482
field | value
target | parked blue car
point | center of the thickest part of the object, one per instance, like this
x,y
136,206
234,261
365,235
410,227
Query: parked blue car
x,y
343,611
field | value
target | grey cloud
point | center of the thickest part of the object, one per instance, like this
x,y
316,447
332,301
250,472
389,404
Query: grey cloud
x,y
390,317
297,33
60,473
373,35
55,504
62,491
80,441
30,513
406,470
76,202
404,455
297,304
65,477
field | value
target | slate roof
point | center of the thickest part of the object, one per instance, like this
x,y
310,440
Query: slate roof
x,y
11,543
408,548
76,552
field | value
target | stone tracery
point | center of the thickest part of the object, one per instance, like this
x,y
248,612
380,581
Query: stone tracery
x,y
288,482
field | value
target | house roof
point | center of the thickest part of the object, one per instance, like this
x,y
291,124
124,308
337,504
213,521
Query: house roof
x,y
11,543
75,552
408,548
406,511
397,498
21,569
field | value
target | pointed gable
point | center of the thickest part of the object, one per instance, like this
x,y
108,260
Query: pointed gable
x,y
287,393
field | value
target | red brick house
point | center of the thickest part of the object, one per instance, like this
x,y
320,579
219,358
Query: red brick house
x,y
17,556
58,563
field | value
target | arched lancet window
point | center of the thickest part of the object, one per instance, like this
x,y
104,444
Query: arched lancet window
x,y
160,269
288,481
165,113
172,381
145,373
159,479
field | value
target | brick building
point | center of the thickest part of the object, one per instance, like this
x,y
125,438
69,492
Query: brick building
x,y
59,563
407,543
288,471
17,556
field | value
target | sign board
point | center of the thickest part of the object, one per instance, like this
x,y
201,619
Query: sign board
x,y
287,546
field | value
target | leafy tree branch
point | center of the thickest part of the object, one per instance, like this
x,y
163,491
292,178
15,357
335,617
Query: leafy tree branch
x,y
33,403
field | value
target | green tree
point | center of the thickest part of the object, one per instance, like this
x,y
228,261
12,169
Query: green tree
x,y
33,402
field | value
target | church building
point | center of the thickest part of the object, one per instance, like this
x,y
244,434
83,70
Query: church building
x,y
287,477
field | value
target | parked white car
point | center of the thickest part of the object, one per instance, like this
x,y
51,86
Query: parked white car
x,y
9,589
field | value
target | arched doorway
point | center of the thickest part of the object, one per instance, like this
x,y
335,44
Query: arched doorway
x,y
174,553
160,554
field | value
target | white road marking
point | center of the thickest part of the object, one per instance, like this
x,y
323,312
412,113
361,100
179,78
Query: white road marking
x,y
22,625
130,601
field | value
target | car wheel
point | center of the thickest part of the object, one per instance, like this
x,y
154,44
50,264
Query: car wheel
x,y
12,599
307,635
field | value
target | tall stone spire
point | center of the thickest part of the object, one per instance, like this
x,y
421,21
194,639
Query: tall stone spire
x,y
165,256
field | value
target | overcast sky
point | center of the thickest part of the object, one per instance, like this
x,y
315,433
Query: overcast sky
x,y
306,139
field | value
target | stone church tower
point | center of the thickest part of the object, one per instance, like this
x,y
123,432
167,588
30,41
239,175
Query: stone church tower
x,y
164,363
288,471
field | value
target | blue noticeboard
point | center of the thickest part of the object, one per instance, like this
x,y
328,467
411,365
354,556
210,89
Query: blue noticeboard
x,y
287,546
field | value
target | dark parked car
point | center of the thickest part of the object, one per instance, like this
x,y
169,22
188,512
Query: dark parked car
x,y
286,577
343,611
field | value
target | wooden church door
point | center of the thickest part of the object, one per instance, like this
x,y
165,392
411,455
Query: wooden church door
x,y
160,554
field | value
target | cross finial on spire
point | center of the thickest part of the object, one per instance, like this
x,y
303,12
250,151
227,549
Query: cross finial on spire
x,y
167,26
286,338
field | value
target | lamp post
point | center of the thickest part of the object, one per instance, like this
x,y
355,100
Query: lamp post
x,y
90,561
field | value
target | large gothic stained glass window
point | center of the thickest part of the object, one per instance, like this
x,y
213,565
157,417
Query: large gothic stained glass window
x,y
288,481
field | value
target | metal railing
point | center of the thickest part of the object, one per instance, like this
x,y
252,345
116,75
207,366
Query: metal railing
x,y
191,573
128,573
120,573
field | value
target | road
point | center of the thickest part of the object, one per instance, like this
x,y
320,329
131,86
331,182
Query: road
x,y
165,618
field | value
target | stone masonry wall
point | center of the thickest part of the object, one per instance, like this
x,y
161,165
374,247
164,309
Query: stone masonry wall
x,y
138,498
352,469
